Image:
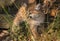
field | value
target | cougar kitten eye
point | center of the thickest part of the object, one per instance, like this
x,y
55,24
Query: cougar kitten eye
x,y
30,16
30,13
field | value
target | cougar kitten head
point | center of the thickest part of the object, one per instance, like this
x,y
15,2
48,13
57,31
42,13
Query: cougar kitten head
x,y
36,16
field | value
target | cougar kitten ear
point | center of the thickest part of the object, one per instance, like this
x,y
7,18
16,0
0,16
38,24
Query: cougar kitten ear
x,y
38,7
58,7
24,4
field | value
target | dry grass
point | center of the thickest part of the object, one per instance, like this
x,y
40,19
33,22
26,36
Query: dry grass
x,y
23,33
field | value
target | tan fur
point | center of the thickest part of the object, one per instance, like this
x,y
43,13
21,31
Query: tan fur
x,y
33,22
21,15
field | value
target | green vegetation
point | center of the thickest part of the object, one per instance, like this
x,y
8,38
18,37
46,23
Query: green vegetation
x,y
22,32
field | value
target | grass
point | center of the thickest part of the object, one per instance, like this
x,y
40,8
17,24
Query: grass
x,y
22,32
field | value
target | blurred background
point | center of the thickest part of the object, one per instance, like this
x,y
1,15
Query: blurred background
x,y
8,10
